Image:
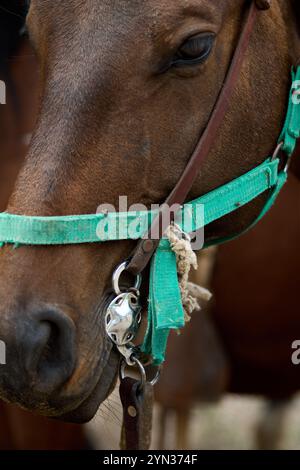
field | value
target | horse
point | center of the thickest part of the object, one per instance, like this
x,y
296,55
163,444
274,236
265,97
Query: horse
x,y
112,122
20,429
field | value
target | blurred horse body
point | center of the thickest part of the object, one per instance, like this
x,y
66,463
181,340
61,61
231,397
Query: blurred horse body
x,y
257,301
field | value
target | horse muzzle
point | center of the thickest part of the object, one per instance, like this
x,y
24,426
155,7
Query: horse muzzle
x,y
40,352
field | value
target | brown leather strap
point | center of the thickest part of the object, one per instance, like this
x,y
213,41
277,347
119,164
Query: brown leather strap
x,y
130,435
137,414
148,245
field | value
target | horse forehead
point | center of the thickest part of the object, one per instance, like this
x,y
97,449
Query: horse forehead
x,y
111,26
124,10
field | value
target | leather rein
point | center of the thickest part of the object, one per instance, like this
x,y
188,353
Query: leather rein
x,y
146,247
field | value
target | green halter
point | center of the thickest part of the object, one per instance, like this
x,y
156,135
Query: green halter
x,y
165,310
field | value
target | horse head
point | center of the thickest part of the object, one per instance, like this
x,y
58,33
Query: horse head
x,y
126,89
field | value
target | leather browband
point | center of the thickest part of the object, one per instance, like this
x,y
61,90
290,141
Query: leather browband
x,y
147,246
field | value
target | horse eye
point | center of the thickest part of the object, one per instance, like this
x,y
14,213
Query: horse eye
x,y
194,51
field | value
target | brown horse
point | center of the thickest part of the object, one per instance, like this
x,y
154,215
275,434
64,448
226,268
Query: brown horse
x,y
114,77
20,429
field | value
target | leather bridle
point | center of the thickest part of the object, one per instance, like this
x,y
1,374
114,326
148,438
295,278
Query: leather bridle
x,y
147,245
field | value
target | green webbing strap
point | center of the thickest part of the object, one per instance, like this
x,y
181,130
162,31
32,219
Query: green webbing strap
x,y
165,311
163,265
66,230
291,129
282,178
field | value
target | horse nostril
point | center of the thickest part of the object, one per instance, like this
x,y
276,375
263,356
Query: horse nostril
x,y
49,349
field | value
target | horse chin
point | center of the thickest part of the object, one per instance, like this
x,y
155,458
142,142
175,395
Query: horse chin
x,y
105,385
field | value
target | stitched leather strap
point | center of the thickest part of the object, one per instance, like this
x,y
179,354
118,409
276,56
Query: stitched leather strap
x,y
137,414
147,246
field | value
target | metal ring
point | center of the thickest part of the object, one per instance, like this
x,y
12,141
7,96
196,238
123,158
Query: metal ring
x,y
157,376
141,368
142,372
277,151
116,278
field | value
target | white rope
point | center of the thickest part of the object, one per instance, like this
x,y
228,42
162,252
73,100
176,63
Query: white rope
x,y
191,294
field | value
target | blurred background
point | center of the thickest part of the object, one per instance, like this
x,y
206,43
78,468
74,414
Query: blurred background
x,y
234,423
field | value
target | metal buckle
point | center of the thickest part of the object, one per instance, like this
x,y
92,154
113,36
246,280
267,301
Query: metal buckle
x,y
277,151
123,315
